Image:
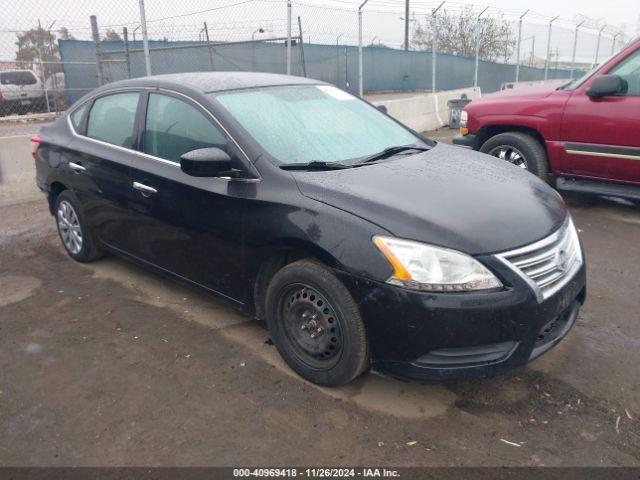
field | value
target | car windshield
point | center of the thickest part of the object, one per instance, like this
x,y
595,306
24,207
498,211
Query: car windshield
x,y
18,78
314,123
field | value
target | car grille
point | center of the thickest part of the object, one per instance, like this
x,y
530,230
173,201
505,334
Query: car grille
x,y
549,264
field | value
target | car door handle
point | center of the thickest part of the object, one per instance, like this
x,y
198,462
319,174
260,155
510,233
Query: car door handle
x,y
76,167
145,189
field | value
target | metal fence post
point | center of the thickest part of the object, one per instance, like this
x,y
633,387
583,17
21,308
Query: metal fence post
x,y
145,38
127,57
575,46
546,61
434,47
598,44
95,34
360,73
519,43
478,38
338,58
288,37
304,65
206,36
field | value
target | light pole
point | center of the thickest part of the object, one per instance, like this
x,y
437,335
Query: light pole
x,y
613,45
575,46
519,43
434,47
546,60
598,44
360,75
478,35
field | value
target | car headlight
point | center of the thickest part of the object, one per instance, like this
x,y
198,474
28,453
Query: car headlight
x,y
425,267
464,118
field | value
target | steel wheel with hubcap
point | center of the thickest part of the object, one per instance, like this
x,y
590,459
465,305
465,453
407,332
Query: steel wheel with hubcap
x,y
69,227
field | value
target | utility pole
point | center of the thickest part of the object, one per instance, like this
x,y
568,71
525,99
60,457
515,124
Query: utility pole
x,y
434,48
127,56
546,61
519,43
575,46
145,38
406,25
478,38
360,67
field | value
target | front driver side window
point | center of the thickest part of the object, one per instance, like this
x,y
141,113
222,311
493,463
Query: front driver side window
x,y
111,119
174,127
629,70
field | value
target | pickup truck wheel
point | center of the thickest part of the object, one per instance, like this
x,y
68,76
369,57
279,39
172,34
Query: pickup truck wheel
x,y
315,324
521,149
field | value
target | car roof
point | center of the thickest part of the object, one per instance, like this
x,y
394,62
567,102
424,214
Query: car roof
x,y
210,82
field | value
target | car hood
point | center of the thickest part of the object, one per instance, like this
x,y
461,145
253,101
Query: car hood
x,y
526,93
446,196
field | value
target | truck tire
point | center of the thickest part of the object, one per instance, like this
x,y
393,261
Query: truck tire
x,y
519,149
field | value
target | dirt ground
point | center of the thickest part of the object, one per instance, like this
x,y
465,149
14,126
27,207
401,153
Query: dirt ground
x,y
107,364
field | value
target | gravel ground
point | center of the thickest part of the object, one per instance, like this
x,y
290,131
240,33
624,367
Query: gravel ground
x,y
107,364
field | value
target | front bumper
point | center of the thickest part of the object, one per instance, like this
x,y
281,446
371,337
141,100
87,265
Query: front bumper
x,y
433,337
467,141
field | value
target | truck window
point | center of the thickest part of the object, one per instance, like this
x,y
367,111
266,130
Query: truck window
x,y
629,70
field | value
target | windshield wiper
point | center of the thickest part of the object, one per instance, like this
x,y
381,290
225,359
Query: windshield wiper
x,y
391,151
314,165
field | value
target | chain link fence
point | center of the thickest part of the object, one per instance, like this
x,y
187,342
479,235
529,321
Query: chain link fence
x,y
52,53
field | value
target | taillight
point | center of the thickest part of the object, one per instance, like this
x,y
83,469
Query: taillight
x,y
36,143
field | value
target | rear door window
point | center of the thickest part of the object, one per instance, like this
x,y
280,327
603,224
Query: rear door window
x,y
175,127
18,78
112,117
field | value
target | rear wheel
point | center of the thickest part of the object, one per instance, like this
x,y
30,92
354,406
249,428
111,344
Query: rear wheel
x,y
316,324
76,237
520,149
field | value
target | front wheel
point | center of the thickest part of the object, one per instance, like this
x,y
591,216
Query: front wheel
x,y
316,324
520,149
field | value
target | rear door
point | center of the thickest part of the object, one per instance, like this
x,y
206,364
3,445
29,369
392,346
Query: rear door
x,y
189,226
602,135
96,162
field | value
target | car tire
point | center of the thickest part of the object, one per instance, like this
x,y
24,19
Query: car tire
x,y
77,238
527,152
305,298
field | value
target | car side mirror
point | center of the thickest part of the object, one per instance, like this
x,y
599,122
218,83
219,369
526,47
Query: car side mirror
x,y
208,162
604,85
382,108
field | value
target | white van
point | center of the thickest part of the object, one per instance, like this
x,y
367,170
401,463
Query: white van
x,y
21,91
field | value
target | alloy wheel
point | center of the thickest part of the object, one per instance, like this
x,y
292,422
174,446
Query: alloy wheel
x,y
69,227
511,155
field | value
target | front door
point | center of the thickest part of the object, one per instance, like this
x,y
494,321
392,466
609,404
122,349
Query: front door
x,y
188,226
602,135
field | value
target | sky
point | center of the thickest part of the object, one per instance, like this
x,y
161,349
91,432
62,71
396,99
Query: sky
x,y
324,21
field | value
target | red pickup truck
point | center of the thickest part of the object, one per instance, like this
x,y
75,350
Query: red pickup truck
x,y
584,136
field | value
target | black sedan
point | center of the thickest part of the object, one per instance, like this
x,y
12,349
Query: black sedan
x,y
360,242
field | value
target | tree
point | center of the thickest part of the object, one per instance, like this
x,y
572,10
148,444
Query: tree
x,y
111,35
36,44
457,35
64,34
